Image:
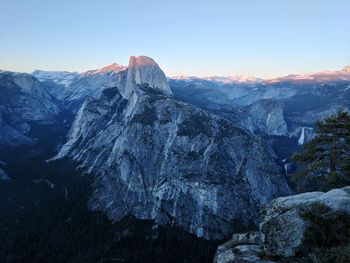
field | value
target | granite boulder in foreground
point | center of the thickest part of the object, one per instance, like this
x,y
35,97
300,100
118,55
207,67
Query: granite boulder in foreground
x,y
282,228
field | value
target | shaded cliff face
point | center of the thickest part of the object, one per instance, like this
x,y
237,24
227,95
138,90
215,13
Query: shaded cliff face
x,y
23,101
158,158
264,116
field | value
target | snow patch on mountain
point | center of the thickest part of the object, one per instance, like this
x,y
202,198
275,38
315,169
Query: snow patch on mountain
x,y
221,79
317,77
59,77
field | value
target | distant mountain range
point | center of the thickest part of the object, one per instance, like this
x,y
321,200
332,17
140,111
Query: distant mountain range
x,y
318,77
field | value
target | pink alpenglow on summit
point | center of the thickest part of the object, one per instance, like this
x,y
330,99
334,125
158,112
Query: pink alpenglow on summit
x,y
141,61
110,68
143,69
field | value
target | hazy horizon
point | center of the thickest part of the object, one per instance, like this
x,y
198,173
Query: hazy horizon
x,y
188,75
193,38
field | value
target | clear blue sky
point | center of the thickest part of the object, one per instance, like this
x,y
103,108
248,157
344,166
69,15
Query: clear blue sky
x,y
261,38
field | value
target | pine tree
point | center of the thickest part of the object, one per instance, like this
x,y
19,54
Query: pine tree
x,y
328,154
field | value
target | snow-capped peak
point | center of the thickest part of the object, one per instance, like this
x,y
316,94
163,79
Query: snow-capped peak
x,y
317,77
235,79
60,77
220,79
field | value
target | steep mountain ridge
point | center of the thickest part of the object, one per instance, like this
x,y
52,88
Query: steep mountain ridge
x,y
73,88
23,101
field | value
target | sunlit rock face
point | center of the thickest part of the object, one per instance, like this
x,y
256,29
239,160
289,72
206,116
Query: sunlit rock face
x,y
158,158
23,101
145,70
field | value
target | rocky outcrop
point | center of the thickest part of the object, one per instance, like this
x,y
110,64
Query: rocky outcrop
x,y
23,101
242,248
283,227
161,159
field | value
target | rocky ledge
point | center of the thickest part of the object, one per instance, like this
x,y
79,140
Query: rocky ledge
x,y
284,232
